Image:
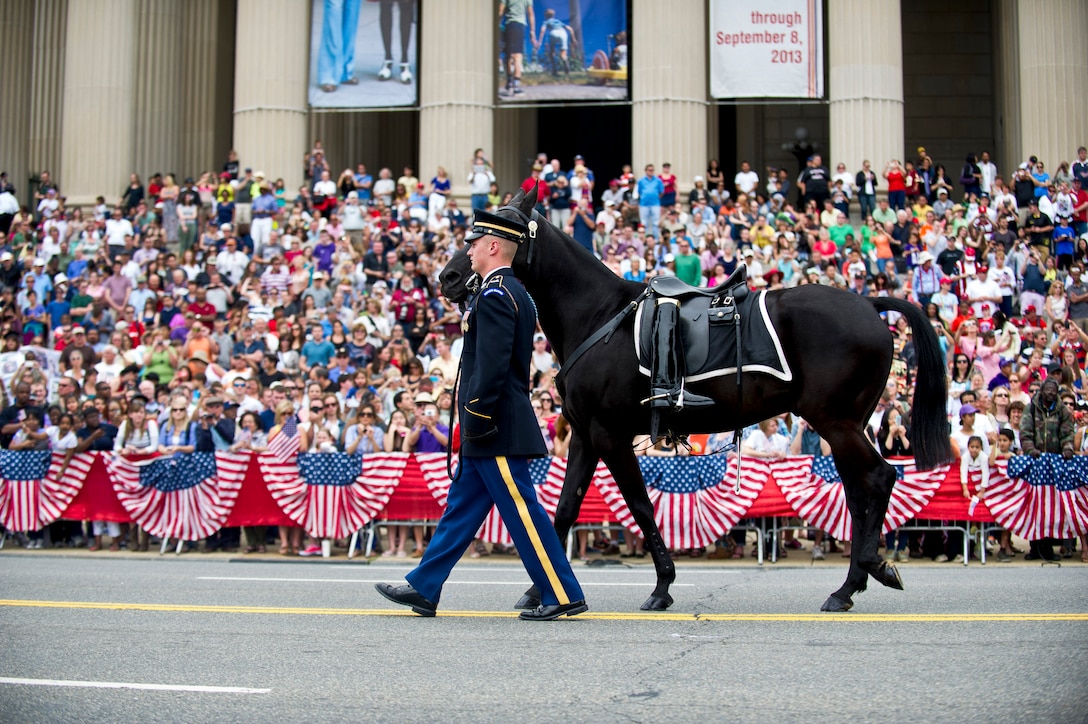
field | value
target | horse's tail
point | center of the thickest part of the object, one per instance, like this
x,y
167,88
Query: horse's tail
x,y
929,420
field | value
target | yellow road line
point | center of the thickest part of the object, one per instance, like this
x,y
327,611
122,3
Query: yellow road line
x,y
599,616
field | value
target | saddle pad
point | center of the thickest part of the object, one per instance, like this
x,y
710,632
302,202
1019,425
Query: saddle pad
x,y
761,350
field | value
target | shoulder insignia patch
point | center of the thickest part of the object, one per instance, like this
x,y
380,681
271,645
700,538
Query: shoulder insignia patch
x,y
494,290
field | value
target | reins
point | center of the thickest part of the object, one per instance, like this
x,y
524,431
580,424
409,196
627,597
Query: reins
x,y
605,333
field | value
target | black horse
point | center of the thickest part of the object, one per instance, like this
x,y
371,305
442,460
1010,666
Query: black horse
x,y
838,347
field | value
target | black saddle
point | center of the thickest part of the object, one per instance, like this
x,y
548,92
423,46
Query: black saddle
x,y
735,286
700,310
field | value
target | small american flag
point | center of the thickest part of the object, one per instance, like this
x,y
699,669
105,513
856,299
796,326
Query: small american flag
x,y
285,444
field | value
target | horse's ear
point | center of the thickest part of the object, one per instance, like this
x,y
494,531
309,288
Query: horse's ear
x,y
526,204
516,201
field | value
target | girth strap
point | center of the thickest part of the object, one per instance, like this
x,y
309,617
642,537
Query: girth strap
x,y
605,333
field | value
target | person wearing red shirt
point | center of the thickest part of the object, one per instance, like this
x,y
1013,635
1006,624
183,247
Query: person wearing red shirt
x,y
542,191
201,308
668,180
897,187
1080,208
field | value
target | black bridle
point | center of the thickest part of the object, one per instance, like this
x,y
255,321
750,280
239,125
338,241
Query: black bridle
x,y
532,221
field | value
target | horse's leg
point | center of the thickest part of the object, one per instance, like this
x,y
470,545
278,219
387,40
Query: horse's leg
x,y
581,462
867,483
628,475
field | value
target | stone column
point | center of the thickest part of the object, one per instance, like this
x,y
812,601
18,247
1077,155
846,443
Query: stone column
x,y
865,55
515,145
1006,32
668,88
1053,79
199,41
47,88
457,87
271,65
99,90
16,57
158,97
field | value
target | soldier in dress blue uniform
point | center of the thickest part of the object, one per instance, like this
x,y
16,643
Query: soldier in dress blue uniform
x,y
499,434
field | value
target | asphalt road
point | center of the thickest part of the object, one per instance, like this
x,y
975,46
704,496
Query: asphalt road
x,y
312,641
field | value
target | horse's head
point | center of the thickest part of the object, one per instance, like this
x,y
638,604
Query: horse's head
x,y
458,280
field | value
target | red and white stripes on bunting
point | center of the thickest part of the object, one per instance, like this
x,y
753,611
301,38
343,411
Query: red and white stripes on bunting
x,y
823,504
693,520
333,511
29,505
433,466
187,514
548,493
1034,511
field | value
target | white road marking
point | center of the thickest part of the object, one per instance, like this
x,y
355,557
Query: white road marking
x,y
131,685
386,579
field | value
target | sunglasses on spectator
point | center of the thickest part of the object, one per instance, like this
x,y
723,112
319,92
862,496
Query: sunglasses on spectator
x,y
366,414
315,409
178,409
332,404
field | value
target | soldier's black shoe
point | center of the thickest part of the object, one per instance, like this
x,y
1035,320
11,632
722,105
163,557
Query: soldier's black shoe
x,y
407,596
550,613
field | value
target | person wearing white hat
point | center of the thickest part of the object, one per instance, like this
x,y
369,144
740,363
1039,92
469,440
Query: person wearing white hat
x,y
926,280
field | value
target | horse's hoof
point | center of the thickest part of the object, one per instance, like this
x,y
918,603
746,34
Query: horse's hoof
x,y
891,577
657,603
527,602
833,604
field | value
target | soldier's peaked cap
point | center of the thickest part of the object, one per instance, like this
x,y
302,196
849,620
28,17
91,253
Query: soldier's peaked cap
x,y
486,223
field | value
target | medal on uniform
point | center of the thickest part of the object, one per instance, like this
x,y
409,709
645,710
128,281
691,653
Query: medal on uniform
x,y
464,323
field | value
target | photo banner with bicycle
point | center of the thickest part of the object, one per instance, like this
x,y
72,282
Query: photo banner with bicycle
x,y
766,49
559,50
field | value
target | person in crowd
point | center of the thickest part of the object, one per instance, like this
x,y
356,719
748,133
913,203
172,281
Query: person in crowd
x,y
1046,427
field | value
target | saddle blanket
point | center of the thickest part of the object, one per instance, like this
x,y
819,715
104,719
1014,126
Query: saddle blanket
x,y
710,350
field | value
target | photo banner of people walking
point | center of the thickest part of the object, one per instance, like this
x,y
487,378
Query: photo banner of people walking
x,y
364,54
563,50
766,49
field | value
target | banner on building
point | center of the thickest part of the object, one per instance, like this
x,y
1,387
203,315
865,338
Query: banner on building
x,y
766,49
563,50
364,54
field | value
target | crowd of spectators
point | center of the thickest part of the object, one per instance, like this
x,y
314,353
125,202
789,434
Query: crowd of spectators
x,y
199,315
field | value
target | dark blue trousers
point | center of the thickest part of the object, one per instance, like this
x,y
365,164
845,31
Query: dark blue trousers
x,y
506,483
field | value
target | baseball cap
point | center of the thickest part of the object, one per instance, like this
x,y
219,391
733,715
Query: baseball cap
x,y
967,409
6,256
423,397
1004,361
1030,309
319,275
229,404
539,337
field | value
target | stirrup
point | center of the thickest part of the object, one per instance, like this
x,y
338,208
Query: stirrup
x,y
677,399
